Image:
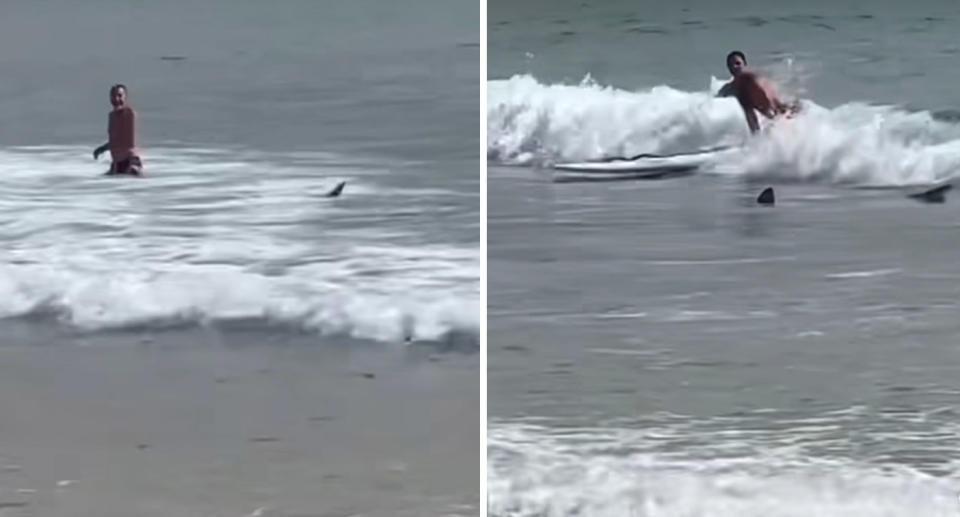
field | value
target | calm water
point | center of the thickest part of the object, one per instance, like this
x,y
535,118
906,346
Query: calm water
x,y
667,348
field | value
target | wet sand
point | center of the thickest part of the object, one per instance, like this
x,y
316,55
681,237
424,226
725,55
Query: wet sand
x,y
199,423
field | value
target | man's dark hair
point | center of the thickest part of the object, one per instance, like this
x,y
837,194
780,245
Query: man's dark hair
x,y
736,53
122,86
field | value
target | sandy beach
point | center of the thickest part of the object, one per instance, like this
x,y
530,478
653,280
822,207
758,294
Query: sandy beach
x,y
206,423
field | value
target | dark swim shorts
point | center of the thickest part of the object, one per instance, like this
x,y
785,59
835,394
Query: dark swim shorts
x,y
131,165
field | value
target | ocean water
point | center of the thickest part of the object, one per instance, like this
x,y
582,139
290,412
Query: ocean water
x,y
283,353
248,113
669,348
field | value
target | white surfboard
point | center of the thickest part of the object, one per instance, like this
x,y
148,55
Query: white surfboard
x,y
675,163
589,176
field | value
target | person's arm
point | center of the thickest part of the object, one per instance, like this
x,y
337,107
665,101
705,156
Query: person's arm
x,y
132,128
757,96
753,98
100,150
750,115
103,148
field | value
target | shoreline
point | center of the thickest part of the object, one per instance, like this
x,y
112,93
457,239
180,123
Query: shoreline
x,y
186,425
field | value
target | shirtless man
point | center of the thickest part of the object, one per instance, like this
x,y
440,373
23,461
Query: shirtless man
x,y
753,93
121,130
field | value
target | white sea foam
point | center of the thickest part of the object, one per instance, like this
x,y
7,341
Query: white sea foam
x,y
533,123
533,472
214,235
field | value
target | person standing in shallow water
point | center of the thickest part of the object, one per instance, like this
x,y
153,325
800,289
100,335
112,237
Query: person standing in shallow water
x,y
121,133
753,93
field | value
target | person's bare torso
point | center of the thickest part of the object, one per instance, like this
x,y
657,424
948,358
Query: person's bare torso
x,y
753,92
121,130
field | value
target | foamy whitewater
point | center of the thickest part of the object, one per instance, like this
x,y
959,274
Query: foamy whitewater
x,y
531,123
600,472
214,236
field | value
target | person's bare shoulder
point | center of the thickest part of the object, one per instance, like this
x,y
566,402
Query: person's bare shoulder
x,y
749,86
748,77
127,114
